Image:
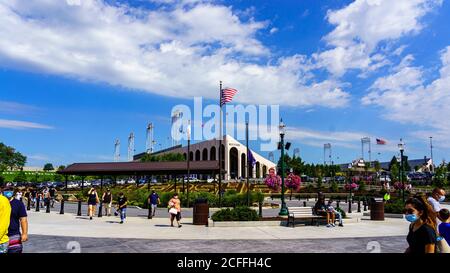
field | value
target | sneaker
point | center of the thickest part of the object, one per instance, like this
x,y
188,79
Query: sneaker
x,y
121,222
179,226
328,225
90,218
171,225
333,225
341,225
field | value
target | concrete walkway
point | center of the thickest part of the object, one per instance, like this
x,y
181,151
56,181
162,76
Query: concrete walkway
x,y
54,224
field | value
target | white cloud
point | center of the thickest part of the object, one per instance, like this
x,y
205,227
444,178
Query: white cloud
x,y
273,30
181,50
405,98
363,25
17,124
11,107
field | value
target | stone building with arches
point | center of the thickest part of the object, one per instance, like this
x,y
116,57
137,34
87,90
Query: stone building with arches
x,y
233,159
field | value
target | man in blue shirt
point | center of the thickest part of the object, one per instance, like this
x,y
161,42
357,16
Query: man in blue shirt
x,y
153,201
444,227
17,223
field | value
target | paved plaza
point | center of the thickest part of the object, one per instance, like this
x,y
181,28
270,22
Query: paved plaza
x,y
52,232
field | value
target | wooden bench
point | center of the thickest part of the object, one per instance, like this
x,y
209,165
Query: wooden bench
x,y
302,213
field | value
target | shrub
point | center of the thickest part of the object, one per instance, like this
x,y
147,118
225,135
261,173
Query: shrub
x,y
240,213
395,206
334,187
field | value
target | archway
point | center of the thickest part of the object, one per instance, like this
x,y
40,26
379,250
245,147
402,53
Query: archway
x,y
205,154
258,170
264,168
212,153
185,156
234,161
191,156
197,155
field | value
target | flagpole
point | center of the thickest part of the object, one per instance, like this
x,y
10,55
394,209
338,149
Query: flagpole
x,y
220,146
248,164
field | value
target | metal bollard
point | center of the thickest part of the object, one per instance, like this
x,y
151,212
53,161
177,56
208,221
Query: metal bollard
x,y
28,203
100,210
350,206
37,204
61,211
79,208
337,203
260,209
359,205
365,205
304,203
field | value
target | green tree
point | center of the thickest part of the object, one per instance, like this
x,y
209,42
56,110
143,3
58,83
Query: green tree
x,y
163,157
61,167
10,158
48,167
20,177
395,171
393,163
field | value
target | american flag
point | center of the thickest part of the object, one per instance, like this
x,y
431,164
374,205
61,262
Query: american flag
x,y
381,141
227,95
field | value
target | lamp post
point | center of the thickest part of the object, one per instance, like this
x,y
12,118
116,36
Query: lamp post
x,y
401,147
283,210
188,159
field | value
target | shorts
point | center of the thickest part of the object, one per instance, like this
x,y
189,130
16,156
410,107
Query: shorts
x,y
15,244
154,206
92,203
4,247
177,216
108,205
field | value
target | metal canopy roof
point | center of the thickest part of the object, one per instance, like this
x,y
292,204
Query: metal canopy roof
x,y
141,168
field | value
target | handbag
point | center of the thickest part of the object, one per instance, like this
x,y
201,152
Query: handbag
x,y
173,211
442,246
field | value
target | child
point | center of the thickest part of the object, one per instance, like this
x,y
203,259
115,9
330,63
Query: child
x,y
444,227
331,209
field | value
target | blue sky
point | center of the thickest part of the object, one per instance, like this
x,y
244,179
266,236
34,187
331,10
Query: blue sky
x,y
75,75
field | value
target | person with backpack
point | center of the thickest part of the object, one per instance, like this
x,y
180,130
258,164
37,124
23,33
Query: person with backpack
x,y
107,201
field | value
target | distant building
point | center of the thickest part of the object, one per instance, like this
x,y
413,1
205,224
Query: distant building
x,y
234,157
422,165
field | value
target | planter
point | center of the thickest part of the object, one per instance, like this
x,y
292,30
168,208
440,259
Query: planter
x,y
388,215
247,223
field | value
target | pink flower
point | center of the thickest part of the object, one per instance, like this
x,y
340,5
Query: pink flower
x,y
293,182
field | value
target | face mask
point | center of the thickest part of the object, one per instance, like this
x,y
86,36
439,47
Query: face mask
x,y
442,198
8,194
411,218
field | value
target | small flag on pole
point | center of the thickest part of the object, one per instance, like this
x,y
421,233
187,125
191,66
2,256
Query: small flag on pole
x,y
251,159
381,141
227,95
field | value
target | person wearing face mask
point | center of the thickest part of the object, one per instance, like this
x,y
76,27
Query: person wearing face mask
x,y
422,230
18,226
5,215
437,196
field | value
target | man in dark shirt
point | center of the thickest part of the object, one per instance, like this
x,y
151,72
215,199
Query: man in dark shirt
x,y
52,196
122,207
17,223
153,201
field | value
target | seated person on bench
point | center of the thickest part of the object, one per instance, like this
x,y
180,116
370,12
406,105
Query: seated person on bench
x,y
336,213
321,209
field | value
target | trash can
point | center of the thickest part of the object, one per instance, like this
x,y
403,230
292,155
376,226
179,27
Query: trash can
x,y
201,212
377,209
